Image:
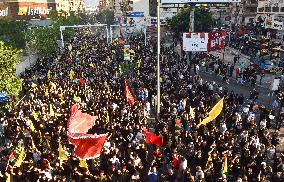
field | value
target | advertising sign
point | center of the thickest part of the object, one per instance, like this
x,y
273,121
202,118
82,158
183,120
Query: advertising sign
x,y
198,1
195,41
216,40
36,10
136,14
137,20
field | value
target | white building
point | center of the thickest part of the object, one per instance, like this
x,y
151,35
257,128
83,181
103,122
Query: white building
x,y
70,5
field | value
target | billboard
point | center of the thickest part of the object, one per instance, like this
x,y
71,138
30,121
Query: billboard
x,y
198,1
27,10
195,41
216,40
136,22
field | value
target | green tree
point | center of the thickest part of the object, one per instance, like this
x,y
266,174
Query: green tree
x,y
44,41
9,58
203,20
13,32
106,16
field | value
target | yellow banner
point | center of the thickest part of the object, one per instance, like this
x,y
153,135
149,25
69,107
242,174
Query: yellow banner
x,y
62,155
216,110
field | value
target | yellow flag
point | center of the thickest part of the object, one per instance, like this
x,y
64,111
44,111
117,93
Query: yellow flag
x,y
216,110
35,115
71,74
191,111
33,143
209,159
46,91
47,143
48,75
33,85
77,99
20,158
53,86
51,111
61,97
83,164
32,127
62,155
40,138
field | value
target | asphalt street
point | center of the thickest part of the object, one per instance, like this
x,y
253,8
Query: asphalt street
x,y
265,97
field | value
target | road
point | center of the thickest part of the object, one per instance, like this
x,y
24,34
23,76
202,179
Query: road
x,y
264,91
229,55
265,97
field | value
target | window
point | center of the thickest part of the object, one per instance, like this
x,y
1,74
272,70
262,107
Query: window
x,y
275,9
282,9
267,9
260,9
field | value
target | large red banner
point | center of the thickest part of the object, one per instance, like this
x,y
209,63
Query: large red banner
x,y
216,40
87,146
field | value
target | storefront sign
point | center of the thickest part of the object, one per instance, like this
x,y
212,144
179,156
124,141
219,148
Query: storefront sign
x,y
4,12
33,11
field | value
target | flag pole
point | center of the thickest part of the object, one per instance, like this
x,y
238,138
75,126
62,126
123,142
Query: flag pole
x,y
7,165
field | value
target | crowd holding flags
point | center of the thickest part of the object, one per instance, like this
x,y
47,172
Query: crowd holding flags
x,y
151,138
87,146
216,110
225,166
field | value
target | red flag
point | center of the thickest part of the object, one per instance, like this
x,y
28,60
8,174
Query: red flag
x,y
121,41
80,122
88,146
129,96
151,138
82,81
11,156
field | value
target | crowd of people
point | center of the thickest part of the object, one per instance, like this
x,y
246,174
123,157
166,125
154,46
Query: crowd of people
x,y
89,72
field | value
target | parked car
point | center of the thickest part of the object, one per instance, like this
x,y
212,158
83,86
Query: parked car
x,y
266,65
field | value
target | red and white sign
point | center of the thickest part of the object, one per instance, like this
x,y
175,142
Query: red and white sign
x,y
216,40
195,41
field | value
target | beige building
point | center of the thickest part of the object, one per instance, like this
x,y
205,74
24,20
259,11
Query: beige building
x,y
270,7
70,5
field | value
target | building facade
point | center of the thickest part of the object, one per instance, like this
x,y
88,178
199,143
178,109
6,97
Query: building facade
x,y
249,11
37,9
270,7
26,9
76,6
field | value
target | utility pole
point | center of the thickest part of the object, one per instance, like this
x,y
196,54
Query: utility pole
x,y
191,30
158,59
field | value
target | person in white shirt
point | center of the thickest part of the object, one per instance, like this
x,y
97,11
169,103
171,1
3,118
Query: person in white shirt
x,y
183,163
